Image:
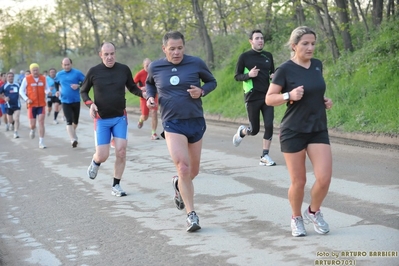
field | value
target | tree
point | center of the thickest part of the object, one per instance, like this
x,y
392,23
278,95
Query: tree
x,y
204,34
344,17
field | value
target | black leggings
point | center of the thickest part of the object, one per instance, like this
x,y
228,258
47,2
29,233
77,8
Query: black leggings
x,y
71,112
254,108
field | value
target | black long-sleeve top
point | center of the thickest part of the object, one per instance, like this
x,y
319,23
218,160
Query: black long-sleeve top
x,y
254,88
109,88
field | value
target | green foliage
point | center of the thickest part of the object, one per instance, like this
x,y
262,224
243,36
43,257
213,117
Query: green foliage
x,y
364,86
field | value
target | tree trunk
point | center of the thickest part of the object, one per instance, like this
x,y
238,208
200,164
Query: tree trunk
x,y
355,15
328,29
299,13
267,32
344,25
88,4
363,18
204,34
378,6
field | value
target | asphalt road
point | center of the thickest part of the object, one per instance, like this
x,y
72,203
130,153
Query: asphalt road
x,y
51,213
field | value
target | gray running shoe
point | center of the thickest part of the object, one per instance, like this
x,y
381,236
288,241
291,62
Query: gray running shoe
x,y
92,170
237,137
32,134
16,135
7,127
297,227
177,199
266,161
118,191
192,222
12,127
320,226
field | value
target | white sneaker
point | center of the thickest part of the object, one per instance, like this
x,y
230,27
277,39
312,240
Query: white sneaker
x,y
16,135
297,226
32,134
118,191
92,170
55,122
320,226
266,161
42,145
237,137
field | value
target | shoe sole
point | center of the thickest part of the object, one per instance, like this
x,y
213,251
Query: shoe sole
x,y
265,164
74,144
179,203
118,195
194,227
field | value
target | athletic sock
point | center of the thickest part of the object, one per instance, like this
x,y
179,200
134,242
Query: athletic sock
x,y
311,211
241,134
152,132
55,115
98,164
116,181
265,152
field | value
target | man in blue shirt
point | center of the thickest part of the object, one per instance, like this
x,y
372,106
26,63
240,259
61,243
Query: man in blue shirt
x,y
70,79
53,97
10,93
181,81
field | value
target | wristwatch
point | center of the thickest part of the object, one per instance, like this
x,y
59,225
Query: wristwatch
x,y
286,96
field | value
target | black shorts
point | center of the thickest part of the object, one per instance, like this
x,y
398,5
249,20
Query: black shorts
x,y
193,128
52,99
292,141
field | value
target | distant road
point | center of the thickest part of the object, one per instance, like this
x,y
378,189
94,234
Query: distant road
x,y
51,213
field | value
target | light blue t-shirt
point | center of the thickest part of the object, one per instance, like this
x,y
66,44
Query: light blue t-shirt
x,y
51,85
65,79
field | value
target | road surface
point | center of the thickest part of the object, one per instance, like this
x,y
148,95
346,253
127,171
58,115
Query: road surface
x,y
53,214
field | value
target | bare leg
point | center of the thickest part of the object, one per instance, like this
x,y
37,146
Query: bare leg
x,y
297,170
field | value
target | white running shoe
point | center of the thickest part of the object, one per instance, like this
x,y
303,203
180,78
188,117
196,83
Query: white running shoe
x,y
266,161
118,191
42,145
192,222
92,170
32,134
237,137
320,226
297,227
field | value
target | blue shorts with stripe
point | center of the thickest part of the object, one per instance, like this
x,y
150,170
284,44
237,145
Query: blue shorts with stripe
x,y
107,127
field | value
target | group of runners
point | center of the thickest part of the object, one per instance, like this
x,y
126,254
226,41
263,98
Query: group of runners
x,y
179,82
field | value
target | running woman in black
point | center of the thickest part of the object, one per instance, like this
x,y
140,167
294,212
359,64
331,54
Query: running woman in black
x,y
299,84
177,78
108,110
254,68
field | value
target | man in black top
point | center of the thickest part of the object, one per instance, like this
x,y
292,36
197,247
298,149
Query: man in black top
x,y
254,68
108,110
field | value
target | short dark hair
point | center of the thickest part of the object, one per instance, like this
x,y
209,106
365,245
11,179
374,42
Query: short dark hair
x,y
175,35
251,34
52,69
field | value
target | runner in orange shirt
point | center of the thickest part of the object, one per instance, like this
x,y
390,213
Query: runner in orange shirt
x,y
140,79
34,92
